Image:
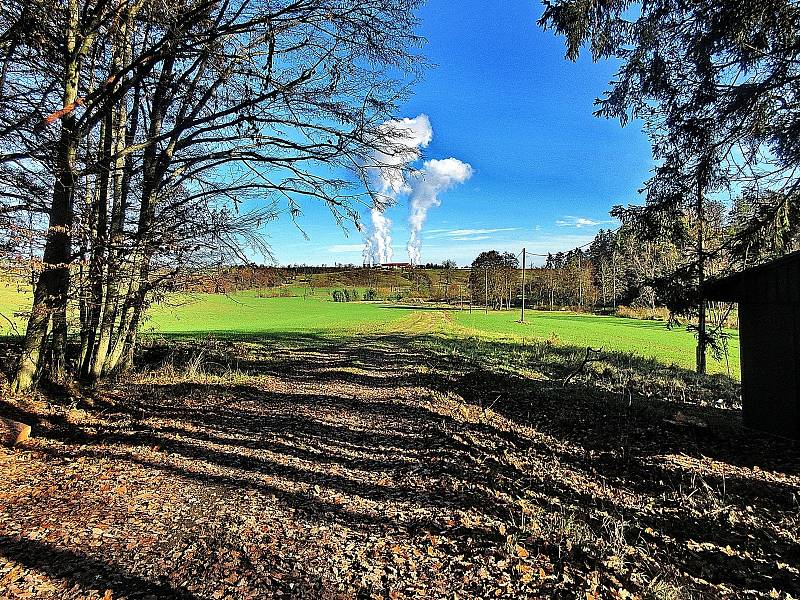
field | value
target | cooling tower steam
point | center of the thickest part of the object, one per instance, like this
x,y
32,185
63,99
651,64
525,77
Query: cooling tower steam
x,y
435,177
403,140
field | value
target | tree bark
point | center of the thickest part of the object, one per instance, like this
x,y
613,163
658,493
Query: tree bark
x,y
97,270
702,341
52,286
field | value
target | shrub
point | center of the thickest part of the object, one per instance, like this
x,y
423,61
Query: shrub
x,y
658,313
345,295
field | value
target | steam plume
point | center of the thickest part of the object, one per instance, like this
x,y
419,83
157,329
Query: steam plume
x,y
436,177
403,139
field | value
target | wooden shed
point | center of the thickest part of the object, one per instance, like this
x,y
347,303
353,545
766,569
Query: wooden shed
x,y
769,338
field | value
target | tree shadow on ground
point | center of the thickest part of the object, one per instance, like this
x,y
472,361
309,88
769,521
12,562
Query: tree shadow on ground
x,y
83,570
620,435
405,433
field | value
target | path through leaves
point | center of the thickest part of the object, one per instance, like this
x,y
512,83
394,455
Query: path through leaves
x,y
382,467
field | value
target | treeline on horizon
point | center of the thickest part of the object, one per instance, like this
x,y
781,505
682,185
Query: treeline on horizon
x,y
619,267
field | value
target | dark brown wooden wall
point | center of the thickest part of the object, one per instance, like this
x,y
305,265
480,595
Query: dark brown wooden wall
x,y
769,335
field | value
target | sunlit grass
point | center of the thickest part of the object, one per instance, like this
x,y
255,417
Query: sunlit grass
x,y
15,298
248,312
257,312
650,339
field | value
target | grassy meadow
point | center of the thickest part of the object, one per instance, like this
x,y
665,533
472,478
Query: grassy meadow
x,y
248,313
649,339
14,299
267,312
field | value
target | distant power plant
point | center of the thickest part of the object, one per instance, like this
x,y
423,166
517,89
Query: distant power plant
x,y
392,265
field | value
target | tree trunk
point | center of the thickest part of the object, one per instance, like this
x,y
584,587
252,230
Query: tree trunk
x,y
702,341
97,261
58,368
35,338
52,286
128,323
116,180
125,359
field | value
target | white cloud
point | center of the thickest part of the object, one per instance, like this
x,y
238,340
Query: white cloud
x,y
579,222
454,233
475,238
464,252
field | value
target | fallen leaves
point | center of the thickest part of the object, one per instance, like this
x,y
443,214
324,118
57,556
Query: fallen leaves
x,y
308,477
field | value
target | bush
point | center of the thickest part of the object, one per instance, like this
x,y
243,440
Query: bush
x,y
346,295
370,295
658,313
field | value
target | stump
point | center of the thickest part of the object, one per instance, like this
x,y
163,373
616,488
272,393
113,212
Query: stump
x,y
13,432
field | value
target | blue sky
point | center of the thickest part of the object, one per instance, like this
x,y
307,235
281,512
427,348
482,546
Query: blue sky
x,y
503,99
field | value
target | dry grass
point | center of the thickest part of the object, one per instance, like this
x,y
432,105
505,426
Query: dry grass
x,y
644,313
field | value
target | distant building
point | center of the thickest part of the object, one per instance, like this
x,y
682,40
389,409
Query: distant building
x,y
397,265
769,338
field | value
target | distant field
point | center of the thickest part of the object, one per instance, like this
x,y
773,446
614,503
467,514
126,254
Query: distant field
x,y
248,313
646,338
13,300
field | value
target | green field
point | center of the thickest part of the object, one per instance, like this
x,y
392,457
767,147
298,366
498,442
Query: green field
x,y
250,313
246,312
13,299
650,339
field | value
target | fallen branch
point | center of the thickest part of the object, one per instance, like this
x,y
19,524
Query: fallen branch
x,y
11,324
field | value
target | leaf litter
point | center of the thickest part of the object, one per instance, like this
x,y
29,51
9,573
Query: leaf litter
x,y
388,468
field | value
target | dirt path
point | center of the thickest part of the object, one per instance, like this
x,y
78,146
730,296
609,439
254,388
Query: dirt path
x,y
373,468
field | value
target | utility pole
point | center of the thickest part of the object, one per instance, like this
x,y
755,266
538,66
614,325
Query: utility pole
x,y
603,280
522,316
614,272
486,290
